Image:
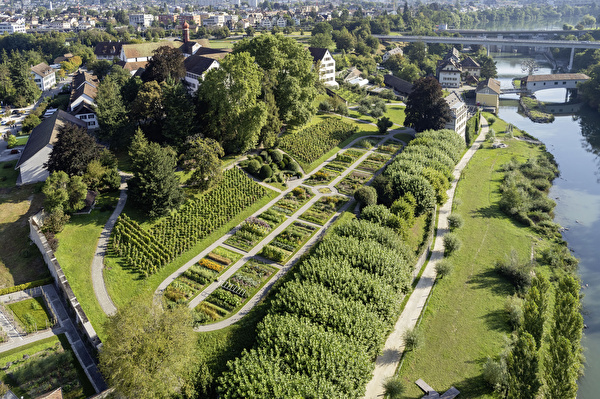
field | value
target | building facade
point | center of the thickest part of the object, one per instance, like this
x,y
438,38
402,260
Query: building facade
x,y
459,112
43,76
326,64
141,20
10,28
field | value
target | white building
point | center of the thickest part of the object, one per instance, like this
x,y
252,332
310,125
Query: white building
x,y
44,76
10,27
458,109
196,67
214,20
282,22
326,63
143,20
394,51
266,23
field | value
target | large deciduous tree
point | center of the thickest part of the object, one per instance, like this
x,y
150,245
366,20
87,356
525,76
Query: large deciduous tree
x,y
167,62
203,157
148,352
291,68
425,107
111,112
154,186
229,103
178,123
73,150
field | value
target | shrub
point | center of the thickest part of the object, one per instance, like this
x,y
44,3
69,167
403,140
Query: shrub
x,y
366,196
514,311
519,274
253,166
366,144
265,172
276,156
491,120
451,243
393,388
495,374
455,221
404,208
11,140
443,268
55,221
412,339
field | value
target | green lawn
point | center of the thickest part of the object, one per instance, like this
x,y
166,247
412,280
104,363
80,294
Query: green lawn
x,y
404,137
76,248
8,174
396,114
22,140
349,96
464,321
31,313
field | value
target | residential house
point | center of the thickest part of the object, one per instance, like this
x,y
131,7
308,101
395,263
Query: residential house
x,y
266,23
39,146
55,394
471,67
108,50
487,94
44,76
215,20
84,89
196,67
449,73
167,19
458,109
392,52
190,18
401,87
281,22
63,58
326,64
453,55
141,20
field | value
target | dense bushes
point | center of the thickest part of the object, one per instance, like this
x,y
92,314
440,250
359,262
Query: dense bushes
x,y
327,323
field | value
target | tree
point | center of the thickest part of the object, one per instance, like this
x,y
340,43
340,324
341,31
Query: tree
x,y
250,31
179,112
167,62
73,150
203,157
488,67
64,193
321,40
154,186
11,141
426,107
272,127
22,79
229,95
111,112
366,195
291,68
560,369
383,124
522,366
147,351
344,40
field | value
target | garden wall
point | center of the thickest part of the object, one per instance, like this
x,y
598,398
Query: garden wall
x,y
64,289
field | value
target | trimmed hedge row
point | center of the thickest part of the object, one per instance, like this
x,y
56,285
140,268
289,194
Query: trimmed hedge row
x,y
31,284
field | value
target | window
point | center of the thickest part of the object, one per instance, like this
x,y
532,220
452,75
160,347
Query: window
x,y
555,83
564,83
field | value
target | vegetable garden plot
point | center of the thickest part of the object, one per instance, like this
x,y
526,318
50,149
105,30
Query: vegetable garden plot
x,y
308,145
374,162
389,147
324,209
288,242
147,251
235,291
254,229
193,280
322,177
292,201
353,181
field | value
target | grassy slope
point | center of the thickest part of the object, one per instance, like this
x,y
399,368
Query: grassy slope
x,y
464,320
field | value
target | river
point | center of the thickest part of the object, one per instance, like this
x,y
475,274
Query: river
x,y
574,140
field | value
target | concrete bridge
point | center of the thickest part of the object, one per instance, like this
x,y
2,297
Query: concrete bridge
x,y
532,43
512,33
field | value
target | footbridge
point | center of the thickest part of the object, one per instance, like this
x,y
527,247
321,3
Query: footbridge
x,y
533,83
486,41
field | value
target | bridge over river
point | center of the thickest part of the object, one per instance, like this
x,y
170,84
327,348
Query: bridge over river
x,y
533,83
486,41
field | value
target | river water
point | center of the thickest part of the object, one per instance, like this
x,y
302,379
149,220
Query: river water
x,y
574,140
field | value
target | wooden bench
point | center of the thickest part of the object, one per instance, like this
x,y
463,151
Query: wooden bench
x,y
450,393
424,386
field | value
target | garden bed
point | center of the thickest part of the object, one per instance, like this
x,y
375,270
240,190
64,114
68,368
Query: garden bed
x,y
323,177
196,278
234,292
293,201
288,242
31,314
374,162
254,229
352,181
389,147
324,209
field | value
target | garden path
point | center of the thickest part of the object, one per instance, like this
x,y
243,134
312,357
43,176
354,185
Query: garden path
x,y
100,290
387,363
253,252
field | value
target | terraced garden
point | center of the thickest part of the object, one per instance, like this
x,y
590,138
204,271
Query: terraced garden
x,y
288,242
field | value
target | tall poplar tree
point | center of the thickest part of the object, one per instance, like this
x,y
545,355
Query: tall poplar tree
x,y
522,366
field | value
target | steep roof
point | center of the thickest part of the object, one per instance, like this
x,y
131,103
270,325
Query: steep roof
x,y
188,47
452,53
133,66
42,69
85,88
197,64
82,77
453,100
317,53
443,63
400,85
469,63
558,76
108,49
45,133
493,84
83,108
56,394
214,53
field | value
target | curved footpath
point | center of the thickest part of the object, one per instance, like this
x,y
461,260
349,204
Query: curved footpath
x,y
102,296
254,251
387,363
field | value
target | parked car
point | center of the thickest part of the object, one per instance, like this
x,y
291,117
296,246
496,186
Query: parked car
x,y
3,123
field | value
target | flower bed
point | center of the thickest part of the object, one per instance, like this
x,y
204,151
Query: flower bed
x,y
322,177
147,251
289,241
292,201
374,162
324,209
237,289
353,181
196,278
389,147
254,229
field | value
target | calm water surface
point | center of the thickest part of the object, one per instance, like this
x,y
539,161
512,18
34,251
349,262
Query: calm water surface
x,y
574,140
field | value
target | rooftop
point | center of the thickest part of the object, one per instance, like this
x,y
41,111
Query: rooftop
x,y
558,76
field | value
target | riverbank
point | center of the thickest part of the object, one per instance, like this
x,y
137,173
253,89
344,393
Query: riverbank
x,y
465,321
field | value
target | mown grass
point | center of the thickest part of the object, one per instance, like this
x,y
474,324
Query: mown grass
x,y
8,174
22,140
464,321
76,249
35,307
404,137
